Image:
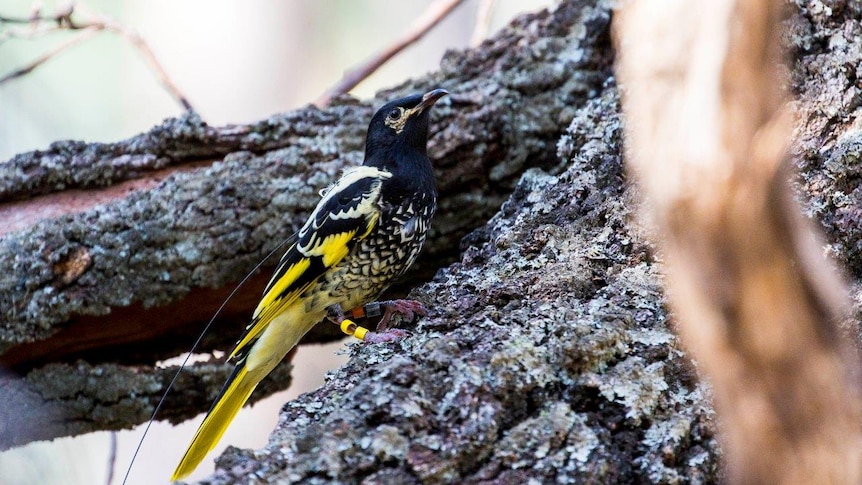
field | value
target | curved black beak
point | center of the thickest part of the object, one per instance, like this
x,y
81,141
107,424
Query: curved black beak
x,y
428,99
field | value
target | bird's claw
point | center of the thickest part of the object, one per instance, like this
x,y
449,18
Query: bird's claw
x,y
391,335
409,309
406,308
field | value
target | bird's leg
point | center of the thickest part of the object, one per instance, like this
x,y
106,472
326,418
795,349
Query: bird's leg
x,y
335,314
387,309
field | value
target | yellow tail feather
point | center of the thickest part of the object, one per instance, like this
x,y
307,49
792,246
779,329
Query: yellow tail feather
x,y
235,393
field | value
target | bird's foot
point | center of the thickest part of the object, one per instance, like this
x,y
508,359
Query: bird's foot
x,y
406,308
391,335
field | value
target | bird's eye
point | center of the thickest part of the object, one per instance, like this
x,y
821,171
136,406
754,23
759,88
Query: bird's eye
x,y
394,114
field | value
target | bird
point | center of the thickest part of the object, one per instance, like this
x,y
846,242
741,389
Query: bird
x,y
366,231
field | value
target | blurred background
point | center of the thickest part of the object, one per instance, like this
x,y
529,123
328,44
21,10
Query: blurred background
x,y
236,61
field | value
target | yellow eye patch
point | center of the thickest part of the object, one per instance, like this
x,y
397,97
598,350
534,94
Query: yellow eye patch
x,y
397,118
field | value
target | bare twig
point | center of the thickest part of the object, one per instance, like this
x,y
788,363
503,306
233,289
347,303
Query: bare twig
x,y
16,20
37,24
435,12
62,21
77,39
757,303
135,39
27,32
483,22
112,458
60,17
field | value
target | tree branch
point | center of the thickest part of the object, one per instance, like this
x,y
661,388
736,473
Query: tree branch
x,y
71,42
63,20
436,11
483,22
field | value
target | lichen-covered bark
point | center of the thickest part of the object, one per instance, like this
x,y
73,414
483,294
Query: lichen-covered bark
x,y
71,399
207,227
828,139
755,302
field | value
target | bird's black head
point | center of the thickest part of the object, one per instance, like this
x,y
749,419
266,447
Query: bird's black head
x,y
400,125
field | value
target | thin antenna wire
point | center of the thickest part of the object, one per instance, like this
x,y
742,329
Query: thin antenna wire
x,y
189,355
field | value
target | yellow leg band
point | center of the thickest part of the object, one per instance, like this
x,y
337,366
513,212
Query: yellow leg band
x,y
348,327
351,328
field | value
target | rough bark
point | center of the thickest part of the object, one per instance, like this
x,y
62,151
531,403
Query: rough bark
x,y
755,300
70,399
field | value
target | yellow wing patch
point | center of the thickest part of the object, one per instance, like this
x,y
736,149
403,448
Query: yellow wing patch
x,y
333,248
